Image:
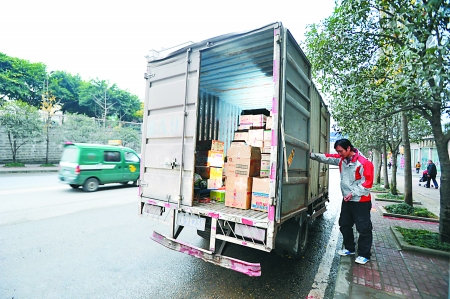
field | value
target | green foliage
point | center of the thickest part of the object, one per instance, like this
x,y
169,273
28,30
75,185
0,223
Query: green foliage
x,y
378,188
391,196
25,81
405,209
83,129
423,238
22,124
47,165
21,80
14,164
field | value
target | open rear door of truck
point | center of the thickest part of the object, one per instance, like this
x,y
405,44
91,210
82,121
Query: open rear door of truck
x,y
169,129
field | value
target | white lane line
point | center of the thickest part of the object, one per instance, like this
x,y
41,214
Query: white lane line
x,y
321,280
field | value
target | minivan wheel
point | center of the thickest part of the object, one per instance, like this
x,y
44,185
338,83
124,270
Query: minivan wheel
x,y
90,185
74,186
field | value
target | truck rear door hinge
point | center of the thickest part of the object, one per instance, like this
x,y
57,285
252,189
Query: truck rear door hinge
x,y
148,76
143,184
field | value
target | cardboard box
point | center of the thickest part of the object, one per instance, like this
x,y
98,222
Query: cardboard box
x,y
217,195
267,136
260,194
259,119
265,157
269,121
238,192
209,158
242,127
266,150
264,173
241,136
242,167
243,151
214,183
209,145
257,134
256,143
245,119
208,172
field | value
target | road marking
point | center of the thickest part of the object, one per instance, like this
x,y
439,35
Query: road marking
x,y
31,189
321,280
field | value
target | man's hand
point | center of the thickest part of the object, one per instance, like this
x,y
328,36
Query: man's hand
x,y
348,197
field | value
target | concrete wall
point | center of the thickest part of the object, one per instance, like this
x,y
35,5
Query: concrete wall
x,y
29,153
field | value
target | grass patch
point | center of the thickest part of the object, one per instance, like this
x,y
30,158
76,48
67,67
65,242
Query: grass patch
x,y
405,209
47,165
391,196
16,164
378,188
423,238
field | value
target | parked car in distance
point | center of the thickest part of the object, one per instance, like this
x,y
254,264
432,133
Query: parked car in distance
x,y
91,165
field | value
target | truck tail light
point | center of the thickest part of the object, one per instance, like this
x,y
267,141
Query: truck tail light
x,y
77,170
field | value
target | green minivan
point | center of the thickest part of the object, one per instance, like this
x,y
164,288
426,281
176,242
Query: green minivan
x,y
91,165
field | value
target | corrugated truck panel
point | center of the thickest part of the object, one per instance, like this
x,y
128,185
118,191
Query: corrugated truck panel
x,y
295,116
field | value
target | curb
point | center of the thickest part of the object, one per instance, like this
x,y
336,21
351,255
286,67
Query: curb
x,y
396,201
2,171
385,213
405,246
343,286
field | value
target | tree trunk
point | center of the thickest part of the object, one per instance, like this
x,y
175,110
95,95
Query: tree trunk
x,y
377,162
442,149
47,141
394,174
385,168
407,172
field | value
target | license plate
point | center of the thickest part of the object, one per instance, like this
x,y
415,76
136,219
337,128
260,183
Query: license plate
x,y
191,221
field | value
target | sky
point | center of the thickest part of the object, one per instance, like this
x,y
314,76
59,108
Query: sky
x,y
109,40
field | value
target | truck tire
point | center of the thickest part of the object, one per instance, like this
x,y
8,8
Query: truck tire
x,y
90,185
292,239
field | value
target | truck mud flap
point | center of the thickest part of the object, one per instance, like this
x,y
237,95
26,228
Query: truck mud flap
x,y
250,269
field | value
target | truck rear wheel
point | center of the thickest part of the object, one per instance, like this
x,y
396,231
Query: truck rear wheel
x,y
292,239
90,185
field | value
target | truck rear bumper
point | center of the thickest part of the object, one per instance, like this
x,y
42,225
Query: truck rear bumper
x,y
250,269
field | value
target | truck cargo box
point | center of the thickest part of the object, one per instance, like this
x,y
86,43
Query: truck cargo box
x,y
203,92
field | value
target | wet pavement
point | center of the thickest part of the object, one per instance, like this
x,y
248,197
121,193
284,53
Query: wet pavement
x,y
392,272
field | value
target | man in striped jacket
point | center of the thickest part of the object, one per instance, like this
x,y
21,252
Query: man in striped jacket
x,y
356,180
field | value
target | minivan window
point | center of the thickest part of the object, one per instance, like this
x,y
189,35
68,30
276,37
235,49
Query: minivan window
x,y
112,156
131,157
70,154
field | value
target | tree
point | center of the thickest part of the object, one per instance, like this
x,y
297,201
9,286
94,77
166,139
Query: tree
x,y
21,123
65,87
21,80
49,107
385,57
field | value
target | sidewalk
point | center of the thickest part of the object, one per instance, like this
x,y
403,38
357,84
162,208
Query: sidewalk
x,y
391,271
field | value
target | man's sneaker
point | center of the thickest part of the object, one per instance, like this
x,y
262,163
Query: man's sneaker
x,y
345,252
361,260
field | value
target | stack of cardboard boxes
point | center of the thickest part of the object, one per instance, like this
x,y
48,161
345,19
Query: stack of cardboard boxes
x,y
209,162
243,163
248,165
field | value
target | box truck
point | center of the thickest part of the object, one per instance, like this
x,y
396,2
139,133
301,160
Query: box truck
x,y
211,96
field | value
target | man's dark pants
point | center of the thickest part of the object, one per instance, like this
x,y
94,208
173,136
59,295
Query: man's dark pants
x,y
356,213
429,178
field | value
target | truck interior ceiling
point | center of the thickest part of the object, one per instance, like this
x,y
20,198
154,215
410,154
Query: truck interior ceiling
x,y
234,76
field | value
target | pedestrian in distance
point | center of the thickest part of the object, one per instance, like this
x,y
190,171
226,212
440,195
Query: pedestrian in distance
x,y
389,165
418,165
432,172
356,180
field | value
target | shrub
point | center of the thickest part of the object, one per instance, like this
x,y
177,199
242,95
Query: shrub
x,y
423,238
405,209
